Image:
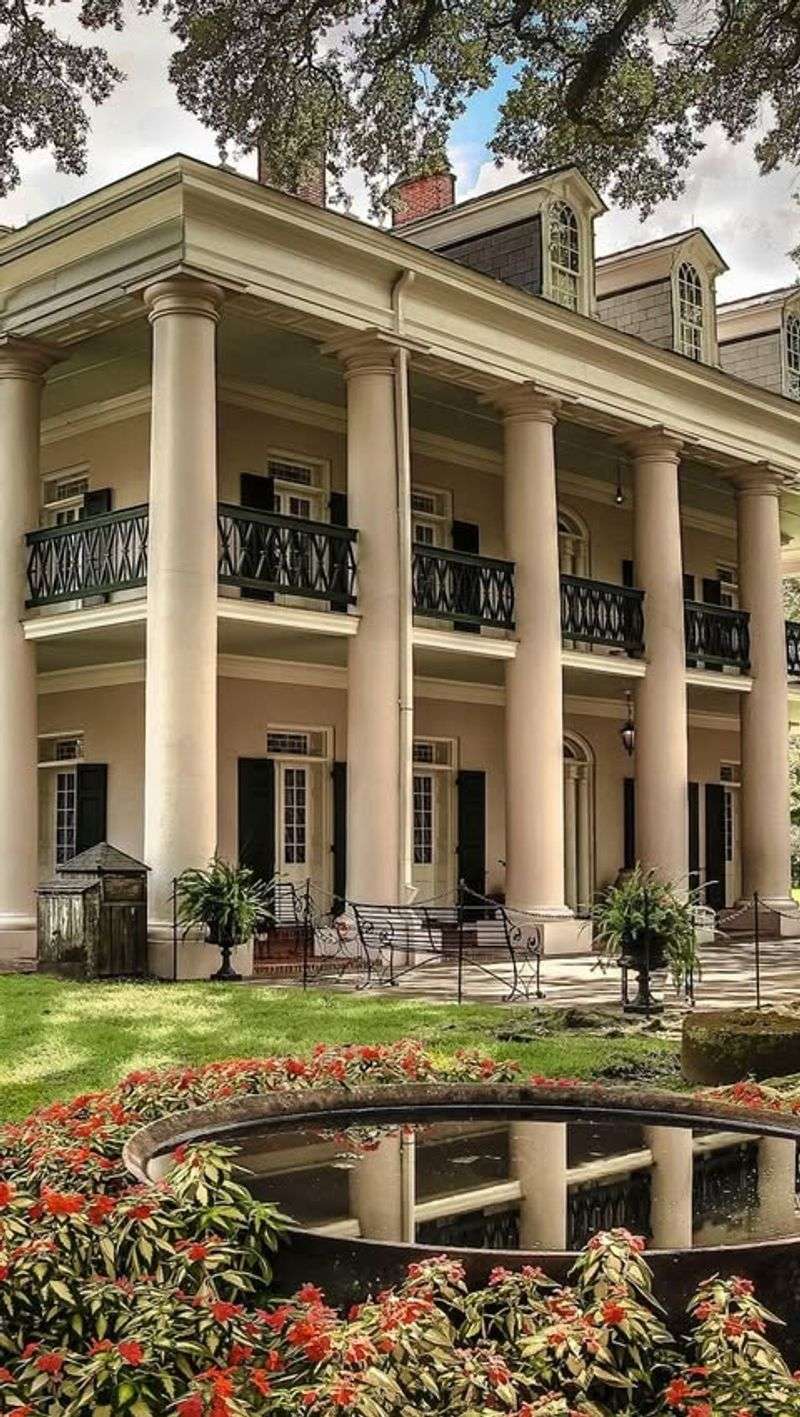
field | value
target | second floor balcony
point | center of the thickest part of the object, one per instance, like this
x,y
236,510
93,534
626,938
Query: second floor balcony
x,y
269,556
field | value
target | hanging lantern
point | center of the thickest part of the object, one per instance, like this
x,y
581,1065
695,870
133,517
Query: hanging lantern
x,y
628,730
619,495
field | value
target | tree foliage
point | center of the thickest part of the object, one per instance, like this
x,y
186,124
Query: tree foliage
x,y
626,88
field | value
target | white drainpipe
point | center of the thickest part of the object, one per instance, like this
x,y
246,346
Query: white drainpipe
x,y
401,414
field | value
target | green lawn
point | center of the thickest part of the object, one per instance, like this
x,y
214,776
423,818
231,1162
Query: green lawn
x,y
59,1038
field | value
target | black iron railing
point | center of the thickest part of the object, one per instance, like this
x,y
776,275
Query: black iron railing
x,y
86,558
793,649
463,588
716,635
597,613
263,551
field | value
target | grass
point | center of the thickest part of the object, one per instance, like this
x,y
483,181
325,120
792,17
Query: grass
x,y
59,1038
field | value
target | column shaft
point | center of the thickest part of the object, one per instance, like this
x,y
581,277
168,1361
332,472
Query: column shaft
x,y
671,1197
764,714
571,833
21,374
181,686
661,706
373,675
534,697
539,1162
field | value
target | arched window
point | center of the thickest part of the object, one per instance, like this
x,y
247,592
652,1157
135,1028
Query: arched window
x,y
793,356
565,255
690,312
579,842
573,544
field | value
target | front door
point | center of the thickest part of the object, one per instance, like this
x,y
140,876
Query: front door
x,y
434,854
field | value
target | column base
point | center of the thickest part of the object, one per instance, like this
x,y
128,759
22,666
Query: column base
x,y
193,959
18,939
562,932
779,917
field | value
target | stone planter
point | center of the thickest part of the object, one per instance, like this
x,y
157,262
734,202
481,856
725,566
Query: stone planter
x,y
725,1045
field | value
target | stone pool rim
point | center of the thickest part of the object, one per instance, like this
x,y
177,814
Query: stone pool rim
x,y
399,1102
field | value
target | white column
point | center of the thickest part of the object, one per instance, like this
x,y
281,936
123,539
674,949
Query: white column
x,y
671,1193
377,1185
180,815
373,671
22,367
661,706
534,698
539,1163
777,1185
584,840
764,715
571,831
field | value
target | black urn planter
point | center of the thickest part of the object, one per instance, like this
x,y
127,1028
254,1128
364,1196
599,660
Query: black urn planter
x,y
226,974
644,958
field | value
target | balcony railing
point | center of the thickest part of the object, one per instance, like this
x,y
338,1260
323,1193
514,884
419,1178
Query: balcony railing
x,y
263,551
793,649
597,613
93,557
716,636
463,588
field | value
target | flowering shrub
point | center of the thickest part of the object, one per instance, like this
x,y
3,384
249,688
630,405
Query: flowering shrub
x,y
155,1299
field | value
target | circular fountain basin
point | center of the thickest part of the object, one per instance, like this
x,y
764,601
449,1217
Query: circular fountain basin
x,y
497,1174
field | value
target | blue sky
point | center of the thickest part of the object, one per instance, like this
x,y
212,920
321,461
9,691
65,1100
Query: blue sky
x,y
753,220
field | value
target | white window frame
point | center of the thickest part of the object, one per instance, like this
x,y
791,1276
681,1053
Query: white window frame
x,y
728,577
790,353
52,505
61,737
439,523
317,490
557,271
699,352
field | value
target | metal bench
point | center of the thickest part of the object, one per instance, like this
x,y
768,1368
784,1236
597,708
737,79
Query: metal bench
x,y
472,933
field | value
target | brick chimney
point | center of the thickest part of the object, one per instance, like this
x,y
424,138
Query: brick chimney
x,y
416,197
309,185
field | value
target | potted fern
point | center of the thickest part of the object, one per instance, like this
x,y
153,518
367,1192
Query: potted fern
x,y
226,903
644,924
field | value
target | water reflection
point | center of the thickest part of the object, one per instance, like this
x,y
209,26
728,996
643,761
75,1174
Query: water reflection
x,y
526,1184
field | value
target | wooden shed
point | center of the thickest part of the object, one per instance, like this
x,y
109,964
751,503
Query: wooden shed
x,y
92,918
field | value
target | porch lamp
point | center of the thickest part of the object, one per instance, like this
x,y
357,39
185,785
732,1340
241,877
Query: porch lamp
x,y
628,730
619,495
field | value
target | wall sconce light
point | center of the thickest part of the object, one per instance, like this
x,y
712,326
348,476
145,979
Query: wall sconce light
x,y
628,730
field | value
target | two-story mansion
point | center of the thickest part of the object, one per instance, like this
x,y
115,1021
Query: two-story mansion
x,y
347,552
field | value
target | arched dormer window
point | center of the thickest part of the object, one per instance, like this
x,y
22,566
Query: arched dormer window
x,y
564,252
793,356
690,312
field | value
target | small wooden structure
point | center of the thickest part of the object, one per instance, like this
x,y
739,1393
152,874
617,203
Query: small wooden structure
x,y
92,919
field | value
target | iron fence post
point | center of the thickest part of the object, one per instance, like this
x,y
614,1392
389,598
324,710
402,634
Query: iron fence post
x,y
460,916
757,942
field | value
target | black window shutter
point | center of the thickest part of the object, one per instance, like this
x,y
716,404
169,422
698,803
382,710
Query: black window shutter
x,y
257,816
712,591
715,845
467,537
259,493
629,824
91,796
471,852
97,501
337,507
688,586
339,776
694,835
628,575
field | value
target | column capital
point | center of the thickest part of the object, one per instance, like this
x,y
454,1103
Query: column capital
x,y
26,358
370,351
183,295
529,402
761,479
656,443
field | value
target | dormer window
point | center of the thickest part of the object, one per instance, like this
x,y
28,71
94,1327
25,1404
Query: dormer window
x,y
565,255
690,312
793,356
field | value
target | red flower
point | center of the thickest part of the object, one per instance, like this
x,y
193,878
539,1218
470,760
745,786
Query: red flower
x,y
240,1353
6,1193
62,1203
310,1294
131,1351
343,1393
50,1363
222,1310
613,1313
140,1212
260,1381
318,1348
100,1207
196,1252
6,1376
677,1392
191,1407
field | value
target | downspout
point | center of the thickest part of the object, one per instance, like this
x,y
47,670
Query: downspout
x,y
407,890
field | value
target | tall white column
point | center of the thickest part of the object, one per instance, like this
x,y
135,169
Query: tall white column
x,y
671,1193
373,672
22,367
777,1185
571,831
764,731
661,706
584,841
378,1184
534,698
180,810
538,1161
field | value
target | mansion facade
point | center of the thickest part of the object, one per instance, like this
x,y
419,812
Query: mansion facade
x,y
348,552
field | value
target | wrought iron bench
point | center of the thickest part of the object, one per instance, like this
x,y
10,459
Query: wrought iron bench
x,y
474,932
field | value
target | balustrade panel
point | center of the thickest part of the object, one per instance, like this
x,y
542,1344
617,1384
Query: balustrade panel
x,y
598,613
717,636
97,556
793,649
286,555
464,588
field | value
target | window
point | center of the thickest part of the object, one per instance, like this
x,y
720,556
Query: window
x,y
728,578
298,742
793,356
439,752
66,816
431,516
298,472
63,497
295,816
729,826
423,819
690,312
565,255
59,748
730,772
